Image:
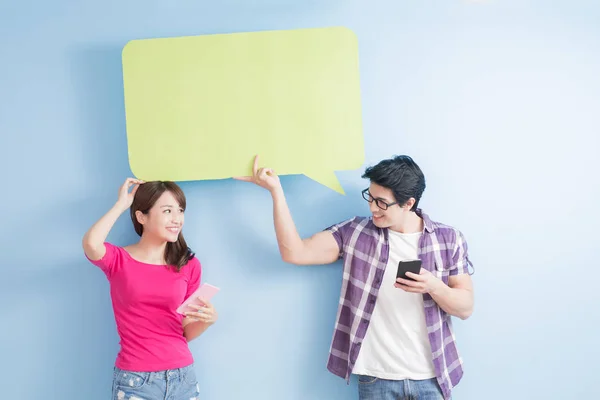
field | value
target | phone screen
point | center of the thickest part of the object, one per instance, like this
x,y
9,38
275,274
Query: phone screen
x,y
413,266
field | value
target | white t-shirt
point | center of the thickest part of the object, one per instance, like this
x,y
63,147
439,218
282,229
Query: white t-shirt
x,y
396,345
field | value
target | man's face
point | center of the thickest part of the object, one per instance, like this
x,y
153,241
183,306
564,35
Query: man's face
x,y
386,211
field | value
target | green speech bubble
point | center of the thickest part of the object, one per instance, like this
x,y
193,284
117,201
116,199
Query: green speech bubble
x,y
201,107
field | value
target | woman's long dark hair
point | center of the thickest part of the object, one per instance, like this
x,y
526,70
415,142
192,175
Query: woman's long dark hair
x,y
177,254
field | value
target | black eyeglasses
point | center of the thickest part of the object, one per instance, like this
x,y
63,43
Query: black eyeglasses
x,y
380,203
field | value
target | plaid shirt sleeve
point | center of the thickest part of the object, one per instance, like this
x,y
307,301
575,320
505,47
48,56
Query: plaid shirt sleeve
x,y
341,232
460,258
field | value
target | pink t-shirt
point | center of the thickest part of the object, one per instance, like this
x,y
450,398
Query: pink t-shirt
x,y
144,298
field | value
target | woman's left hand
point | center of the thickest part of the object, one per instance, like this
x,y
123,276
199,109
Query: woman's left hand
x,y
206,313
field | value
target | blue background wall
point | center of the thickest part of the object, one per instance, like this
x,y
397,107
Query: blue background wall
x,y
498,101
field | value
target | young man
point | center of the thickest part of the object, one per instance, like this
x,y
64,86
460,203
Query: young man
x,y
395,334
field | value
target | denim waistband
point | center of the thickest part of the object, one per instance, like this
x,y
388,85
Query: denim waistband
x,y
166,375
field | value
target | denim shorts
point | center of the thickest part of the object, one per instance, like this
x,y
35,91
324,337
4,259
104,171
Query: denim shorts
x,y
172,384
372,388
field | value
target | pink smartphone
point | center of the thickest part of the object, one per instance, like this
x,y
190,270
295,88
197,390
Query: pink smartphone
x,y
205,291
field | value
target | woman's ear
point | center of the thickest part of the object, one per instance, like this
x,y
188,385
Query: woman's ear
x,y
141,217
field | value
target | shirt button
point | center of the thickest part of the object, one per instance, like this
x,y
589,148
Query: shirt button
x,y
372,300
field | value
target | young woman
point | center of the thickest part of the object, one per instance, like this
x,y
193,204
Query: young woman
x,y
148,281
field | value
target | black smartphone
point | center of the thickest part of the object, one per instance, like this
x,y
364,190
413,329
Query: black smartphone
x,y
413,266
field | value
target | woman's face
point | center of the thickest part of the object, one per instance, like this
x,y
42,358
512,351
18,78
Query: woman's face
x,y
164,220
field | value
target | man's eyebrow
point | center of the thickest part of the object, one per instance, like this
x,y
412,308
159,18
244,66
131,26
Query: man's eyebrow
x,y
379,198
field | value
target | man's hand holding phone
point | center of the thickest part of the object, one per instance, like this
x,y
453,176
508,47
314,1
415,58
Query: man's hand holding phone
x,y
414,279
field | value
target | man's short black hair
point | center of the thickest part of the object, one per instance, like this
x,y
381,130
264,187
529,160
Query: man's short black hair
x,y
401,175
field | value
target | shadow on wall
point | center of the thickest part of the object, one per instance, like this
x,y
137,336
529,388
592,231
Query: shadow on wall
x,y
97,77
59,334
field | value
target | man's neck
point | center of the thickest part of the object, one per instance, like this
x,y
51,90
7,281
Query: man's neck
x,y
411,224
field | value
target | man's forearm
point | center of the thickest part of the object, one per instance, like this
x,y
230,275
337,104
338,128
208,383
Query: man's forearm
x,y
455,301
288,239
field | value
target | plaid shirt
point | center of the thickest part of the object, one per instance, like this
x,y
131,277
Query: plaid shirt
x,y
365,251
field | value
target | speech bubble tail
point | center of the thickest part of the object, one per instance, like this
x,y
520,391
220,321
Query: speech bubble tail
x,y
327,178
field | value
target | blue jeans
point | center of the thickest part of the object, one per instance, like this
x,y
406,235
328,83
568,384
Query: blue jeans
x,y
173,384
371,388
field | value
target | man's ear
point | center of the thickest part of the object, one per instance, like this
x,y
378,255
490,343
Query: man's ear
x,y
410,203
